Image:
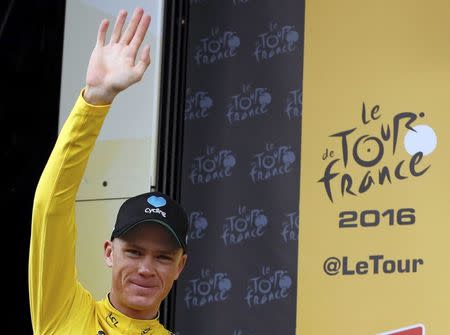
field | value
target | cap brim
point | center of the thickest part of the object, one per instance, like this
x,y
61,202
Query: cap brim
x,y
162,223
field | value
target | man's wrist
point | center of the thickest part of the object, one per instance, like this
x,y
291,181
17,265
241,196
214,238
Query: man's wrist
x,y
98,96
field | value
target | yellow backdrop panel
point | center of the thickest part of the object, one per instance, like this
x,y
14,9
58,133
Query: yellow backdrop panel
x,y
374,195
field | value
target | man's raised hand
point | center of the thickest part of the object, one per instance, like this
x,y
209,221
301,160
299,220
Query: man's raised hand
x,y
113,66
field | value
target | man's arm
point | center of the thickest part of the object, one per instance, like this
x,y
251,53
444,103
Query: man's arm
x,y
52,274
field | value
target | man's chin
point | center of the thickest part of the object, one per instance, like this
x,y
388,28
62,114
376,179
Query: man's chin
x,y
142,301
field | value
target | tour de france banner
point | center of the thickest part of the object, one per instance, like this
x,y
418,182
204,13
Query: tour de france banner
x,y
374,251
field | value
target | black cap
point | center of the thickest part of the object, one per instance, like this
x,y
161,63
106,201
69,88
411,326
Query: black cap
x,y
152,207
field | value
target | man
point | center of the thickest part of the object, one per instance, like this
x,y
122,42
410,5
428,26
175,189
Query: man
x,y
147,250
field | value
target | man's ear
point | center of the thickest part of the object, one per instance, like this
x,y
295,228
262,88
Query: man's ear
x,y
108,253
181,265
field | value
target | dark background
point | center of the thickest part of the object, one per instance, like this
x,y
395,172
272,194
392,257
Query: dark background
x,y
31,44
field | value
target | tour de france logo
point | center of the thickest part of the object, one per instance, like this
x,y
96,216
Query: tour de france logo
x,y
371,155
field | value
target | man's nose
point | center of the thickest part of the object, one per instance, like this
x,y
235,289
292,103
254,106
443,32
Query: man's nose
x,y
147,267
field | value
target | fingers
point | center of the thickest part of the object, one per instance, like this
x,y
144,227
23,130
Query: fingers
x,y
139,35
144,61
132,26
145,58
102,32
118,26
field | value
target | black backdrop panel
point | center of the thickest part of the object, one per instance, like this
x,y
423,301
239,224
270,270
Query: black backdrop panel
x,y
241,167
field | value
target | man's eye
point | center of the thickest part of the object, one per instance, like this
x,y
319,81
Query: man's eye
x,y
164,257
133,252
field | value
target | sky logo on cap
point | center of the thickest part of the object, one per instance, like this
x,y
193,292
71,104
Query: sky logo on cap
x,y
156,201
418,329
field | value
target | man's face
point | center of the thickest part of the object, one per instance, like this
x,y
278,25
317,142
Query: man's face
x,y
145,262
